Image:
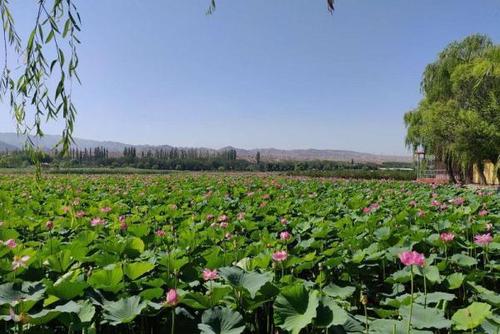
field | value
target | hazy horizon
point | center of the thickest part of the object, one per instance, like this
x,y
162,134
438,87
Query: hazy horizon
x,y
217,148
282,74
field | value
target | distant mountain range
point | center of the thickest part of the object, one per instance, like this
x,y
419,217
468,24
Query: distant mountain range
x,y
12,141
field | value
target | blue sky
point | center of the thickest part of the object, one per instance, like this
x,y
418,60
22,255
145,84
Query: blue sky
x,y
260,73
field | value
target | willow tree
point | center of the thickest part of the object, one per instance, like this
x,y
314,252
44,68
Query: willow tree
x,y
40,69
458,120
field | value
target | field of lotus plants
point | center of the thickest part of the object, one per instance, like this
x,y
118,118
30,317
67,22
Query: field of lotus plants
x,y
236,254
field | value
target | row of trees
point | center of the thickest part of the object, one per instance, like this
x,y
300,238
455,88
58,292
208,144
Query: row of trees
x,y
458,119
182,160
90,154
175,153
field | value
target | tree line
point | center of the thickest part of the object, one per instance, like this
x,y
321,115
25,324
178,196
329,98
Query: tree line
x,y
178,159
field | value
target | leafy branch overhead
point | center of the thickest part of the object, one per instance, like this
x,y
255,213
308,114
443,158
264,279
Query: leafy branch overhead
x,y
38,72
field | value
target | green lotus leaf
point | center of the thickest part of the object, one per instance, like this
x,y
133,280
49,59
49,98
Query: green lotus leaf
x,y
423,318
107,279
123,311
251,281
221,320
471,317
137,269
295,308
463,260
329,313
336,291
455,280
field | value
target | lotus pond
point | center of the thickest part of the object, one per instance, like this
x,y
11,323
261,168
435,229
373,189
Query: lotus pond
x,y
246,254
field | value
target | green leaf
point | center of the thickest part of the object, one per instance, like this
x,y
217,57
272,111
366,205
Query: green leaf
x,y
221,320
134,247
471,317
123,311
455,280
87,311
69,286
486,295
47,315
387,326
463,260
251,281
329,313
295,308
150,294
61,261
334,290
107,279
434,297
29,291
424,317
432,274
137,269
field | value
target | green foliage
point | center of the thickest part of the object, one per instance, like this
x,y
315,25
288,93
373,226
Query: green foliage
x,y
472,316
113,276
458,119
221,321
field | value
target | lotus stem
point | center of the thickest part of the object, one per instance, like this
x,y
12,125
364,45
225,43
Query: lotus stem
x,y
425,290
411,303
366,319
172,328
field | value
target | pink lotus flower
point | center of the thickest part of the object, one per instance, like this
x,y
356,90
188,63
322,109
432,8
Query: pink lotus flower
x,y
223,219
160,233
106,209
413,203
420,213
210,217
223,225
483,239
80,214
228,236
65,209
458,201
280,256
489,226
20,262
483,213
97,221
447,237
367,210
283,221
210,275
285,235
172,297
435,203
49,225
11,243
123,226
409,258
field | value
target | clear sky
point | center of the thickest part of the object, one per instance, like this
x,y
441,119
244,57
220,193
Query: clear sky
x,y
260,73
